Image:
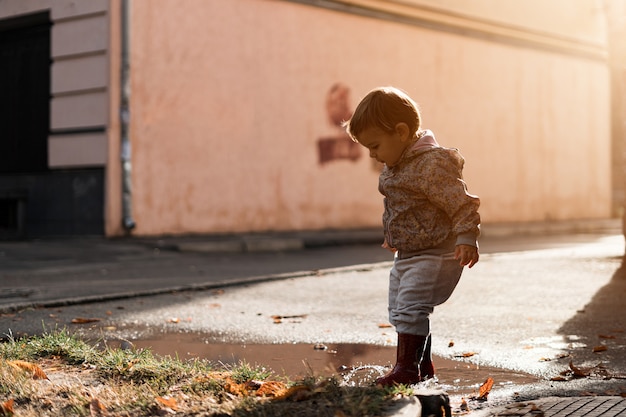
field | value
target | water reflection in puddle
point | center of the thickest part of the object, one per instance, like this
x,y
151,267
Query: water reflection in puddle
x,y
356,364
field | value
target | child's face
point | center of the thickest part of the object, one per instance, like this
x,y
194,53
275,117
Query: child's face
x,y
383,146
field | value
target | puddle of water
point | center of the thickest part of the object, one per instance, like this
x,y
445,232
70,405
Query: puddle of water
x,y
356,364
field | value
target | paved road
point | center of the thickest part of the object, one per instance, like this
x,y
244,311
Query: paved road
x,y
67,271
532,304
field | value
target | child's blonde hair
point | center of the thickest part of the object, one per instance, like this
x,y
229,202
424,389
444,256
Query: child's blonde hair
x,y
384,108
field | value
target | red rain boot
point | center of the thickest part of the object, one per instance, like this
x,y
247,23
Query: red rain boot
x,y
410,349
427,369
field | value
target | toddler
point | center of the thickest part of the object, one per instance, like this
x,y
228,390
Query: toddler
x,y
430,221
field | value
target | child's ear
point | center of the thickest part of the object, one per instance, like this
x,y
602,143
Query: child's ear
x,y
402,129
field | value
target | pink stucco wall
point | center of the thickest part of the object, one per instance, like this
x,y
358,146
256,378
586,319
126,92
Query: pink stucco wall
x,y
229,104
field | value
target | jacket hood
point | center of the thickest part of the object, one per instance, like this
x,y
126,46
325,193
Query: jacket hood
x,y
425,143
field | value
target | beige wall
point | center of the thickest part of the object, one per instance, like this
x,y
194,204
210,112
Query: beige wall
x,y
583,21
229,106
617,28
230,120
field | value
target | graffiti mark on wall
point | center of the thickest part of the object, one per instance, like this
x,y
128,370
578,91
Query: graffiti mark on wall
x,y
339,145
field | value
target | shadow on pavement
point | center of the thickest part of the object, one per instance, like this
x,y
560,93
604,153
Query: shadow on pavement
x,y
600,327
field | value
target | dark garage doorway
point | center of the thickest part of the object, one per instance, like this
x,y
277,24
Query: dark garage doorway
x,y
36,201
25,98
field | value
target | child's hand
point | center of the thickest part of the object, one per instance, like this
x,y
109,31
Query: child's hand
x,y
386,246
466,254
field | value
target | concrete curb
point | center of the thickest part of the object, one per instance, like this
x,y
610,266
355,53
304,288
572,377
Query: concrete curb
x,y
286,241
550,227
245,244
9,308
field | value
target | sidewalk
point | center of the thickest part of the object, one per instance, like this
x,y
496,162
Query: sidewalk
x,y
561,407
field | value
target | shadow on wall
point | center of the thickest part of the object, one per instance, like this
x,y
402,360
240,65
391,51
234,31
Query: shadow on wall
x,y
339,145
601,329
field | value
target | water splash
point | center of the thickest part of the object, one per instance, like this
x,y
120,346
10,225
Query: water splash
x,y
362,375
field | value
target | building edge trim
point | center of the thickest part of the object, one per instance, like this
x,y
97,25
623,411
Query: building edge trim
x,y
446,21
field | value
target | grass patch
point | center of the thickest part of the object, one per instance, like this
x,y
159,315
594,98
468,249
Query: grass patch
x,y
57,374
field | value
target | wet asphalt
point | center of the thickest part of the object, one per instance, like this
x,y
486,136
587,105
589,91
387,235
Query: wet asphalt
x,y
533,304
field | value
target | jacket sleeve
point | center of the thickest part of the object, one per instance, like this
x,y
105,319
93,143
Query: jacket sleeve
x,y
442,183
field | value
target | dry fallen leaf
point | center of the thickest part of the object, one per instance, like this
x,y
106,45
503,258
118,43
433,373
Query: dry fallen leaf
x,y
295,316
384,325
451,343
6,408
167,402
271,389
131,363
464,406
253,385
600,348
579,372
296,393
83,320
606,336
536,411
234,387
37,372
465,355
485,388
97,409
279,319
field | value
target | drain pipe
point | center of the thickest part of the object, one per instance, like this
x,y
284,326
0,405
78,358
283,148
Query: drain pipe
x,y
127,213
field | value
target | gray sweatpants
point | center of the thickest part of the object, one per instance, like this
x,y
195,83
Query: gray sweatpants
x,y
416,286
